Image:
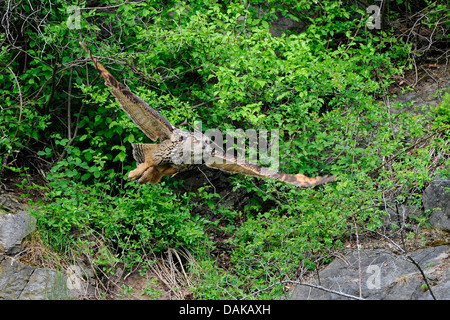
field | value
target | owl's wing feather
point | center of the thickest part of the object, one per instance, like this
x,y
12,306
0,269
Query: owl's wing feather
x,y
151,122
234,165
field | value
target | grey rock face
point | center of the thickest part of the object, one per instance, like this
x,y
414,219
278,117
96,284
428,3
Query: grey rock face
x,y
436,197
13,228
13,278
15,224
384,276
19,281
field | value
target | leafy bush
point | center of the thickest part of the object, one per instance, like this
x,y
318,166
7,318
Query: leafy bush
x,y
88,219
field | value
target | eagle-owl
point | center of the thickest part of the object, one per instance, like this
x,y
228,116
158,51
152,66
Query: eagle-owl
x,y
170,156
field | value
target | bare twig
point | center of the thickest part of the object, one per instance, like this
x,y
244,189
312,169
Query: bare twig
x,y
205,102
304,284
69,107
5,160
207,179
410,259
424,139
69,143
111,6
20,102
358,247
169,274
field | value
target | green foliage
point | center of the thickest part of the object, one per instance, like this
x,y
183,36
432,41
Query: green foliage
x,y
442,113
218,63
142,221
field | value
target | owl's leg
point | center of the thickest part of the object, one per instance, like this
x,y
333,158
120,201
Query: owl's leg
x,y
141,169
146,176
156,177
169,171
154,174
145,159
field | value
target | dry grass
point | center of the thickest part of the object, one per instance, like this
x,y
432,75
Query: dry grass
x,y
36,253
170,270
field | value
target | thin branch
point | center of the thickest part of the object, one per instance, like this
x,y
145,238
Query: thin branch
x,y
395,156
205,102
69,107
111,6
53,88
69,143
304,284
358,246
5,160
410,259
20,102
207,179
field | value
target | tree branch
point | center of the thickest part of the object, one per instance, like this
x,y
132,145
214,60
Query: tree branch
x,y
307,285
410,259
5,160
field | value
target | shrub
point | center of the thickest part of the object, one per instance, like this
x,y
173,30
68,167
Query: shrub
x,y
88,219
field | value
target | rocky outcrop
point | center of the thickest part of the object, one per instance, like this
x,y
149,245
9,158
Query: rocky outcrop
x,y
382,275
427,93
283,24
436,199
20,281
435,206
15,224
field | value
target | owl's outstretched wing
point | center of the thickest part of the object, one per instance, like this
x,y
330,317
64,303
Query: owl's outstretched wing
x,y
151,122
234,165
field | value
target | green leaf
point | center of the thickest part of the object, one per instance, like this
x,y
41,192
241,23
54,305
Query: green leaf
x,y
211,204
130,138
88,156
120,157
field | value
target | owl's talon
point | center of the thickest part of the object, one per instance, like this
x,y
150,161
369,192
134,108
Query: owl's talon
x,y
147,176
138,172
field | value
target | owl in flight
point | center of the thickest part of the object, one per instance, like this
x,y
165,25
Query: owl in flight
x,y
174,152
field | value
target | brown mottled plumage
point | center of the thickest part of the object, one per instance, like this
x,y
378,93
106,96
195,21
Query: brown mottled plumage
x,y
180,150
